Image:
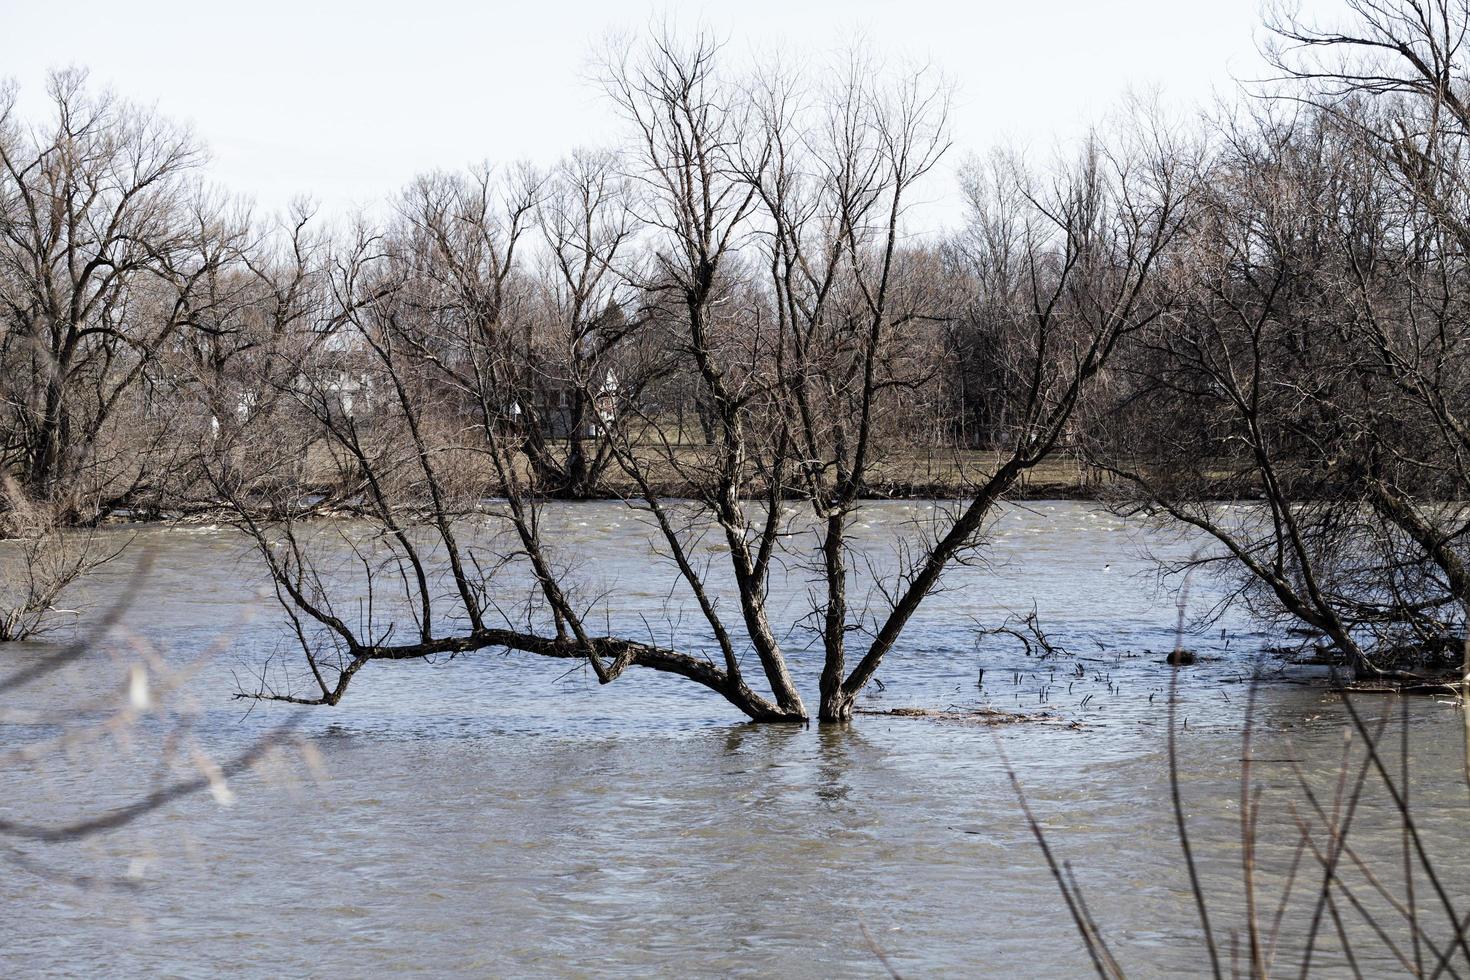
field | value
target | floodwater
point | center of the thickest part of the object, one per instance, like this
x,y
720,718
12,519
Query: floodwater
x,y
501,816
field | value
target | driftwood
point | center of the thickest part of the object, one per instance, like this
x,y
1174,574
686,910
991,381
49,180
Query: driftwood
x,y
1405,684
991,717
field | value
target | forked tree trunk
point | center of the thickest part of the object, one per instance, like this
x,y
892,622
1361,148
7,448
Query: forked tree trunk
x,y
836,705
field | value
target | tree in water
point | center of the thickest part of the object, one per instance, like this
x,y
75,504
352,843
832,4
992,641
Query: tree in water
x,y
760,254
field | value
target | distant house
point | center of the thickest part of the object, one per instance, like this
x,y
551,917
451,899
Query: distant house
x,y
352,391
342,380
558,413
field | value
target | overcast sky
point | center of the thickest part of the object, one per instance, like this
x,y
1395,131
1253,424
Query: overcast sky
x,y
345,101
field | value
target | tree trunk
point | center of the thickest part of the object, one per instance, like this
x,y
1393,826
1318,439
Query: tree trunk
x,y
836,705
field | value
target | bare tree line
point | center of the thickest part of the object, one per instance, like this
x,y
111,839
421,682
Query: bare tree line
x,y
732,323
1317,357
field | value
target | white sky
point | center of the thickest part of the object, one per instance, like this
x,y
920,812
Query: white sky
x,y
346,101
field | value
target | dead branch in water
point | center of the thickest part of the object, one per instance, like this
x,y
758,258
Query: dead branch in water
x,y
989,717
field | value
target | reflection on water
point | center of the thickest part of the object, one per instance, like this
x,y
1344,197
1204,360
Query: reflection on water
x,y
496,815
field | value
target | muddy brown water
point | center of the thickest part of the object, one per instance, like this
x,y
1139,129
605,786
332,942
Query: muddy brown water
x,y
500,816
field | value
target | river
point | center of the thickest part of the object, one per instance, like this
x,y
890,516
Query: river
x,y
499,816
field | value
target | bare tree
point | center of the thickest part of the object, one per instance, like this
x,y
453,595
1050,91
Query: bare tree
x,y
99,260
1320,363
764,243
583,318
39,560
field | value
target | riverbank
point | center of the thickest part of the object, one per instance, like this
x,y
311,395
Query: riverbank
x,y
911,477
